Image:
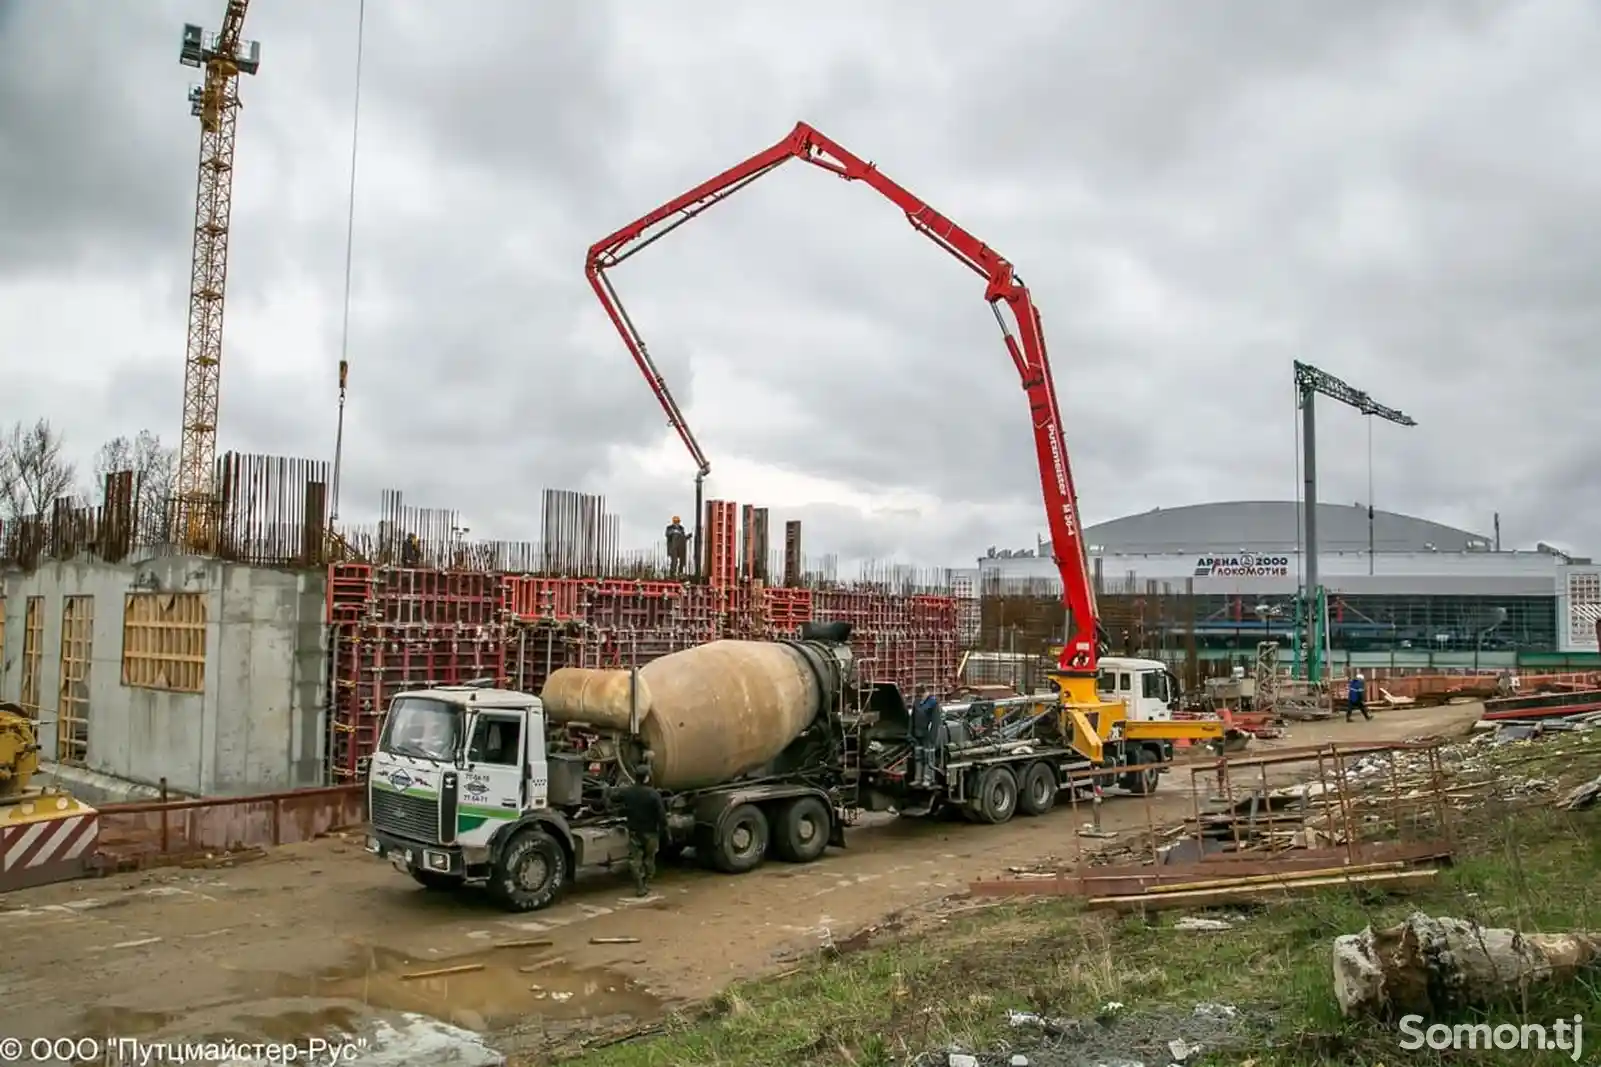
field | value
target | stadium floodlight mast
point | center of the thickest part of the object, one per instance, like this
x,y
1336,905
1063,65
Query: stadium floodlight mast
x,y
1309,382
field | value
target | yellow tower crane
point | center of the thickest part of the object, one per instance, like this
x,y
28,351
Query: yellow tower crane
x,y
215,102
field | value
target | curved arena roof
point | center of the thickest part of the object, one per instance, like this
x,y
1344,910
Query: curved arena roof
x,y
1271,526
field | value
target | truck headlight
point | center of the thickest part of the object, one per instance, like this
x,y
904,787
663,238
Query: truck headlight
x,y
437,861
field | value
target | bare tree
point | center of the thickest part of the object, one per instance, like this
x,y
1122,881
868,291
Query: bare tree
x,y
153,466
34,471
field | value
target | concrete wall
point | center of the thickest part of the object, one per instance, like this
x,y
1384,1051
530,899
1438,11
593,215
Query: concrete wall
x,y
258,725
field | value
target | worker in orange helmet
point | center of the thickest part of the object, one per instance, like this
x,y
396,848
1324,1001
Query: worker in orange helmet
x,y
677,547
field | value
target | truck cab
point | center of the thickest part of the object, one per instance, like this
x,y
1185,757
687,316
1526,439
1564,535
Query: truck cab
x,y
462,788
1145,686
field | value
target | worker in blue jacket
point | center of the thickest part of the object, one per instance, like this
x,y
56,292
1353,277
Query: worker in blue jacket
x,y
925,737
1356,698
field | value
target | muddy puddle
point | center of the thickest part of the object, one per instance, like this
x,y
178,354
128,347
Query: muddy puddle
x,y
485,991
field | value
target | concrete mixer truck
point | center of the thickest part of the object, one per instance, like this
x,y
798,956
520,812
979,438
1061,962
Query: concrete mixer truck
x,y
762,749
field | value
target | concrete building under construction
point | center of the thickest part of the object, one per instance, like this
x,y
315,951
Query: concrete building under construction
x,y
268,665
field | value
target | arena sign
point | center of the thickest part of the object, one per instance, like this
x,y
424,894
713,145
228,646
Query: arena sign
x,y
1244,565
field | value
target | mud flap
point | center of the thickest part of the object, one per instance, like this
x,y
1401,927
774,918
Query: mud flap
x,y
836,832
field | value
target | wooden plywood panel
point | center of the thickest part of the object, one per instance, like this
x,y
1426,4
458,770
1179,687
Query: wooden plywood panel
x,y
77,655
164,641
32,655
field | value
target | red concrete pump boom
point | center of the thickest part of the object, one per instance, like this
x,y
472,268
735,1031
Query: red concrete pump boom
x,y
1085,639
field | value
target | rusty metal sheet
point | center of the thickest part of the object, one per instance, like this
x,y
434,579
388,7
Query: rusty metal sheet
x,y
148,834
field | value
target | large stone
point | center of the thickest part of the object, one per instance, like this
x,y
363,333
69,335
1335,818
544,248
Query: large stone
x,y
1433,966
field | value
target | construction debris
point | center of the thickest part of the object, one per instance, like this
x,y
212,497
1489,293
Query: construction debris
x,y
1254,891
1367,811
1433,966
442,972
1585,796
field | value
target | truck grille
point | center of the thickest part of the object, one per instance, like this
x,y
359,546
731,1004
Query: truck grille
x,y
406,816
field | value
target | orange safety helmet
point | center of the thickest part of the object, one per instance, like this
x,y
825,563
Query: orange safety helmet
x,y
675,518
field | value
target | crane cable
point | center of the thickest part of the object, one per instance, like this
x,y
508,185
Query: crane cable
x,y
350,242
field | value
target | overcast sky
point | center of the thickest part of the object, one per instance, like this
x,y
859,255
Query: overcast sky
x,y
1404,194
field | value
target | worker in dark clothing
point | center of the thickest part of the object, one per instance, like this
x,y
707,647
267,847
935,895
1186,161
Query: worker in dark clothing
x,y
1356,698
677,547
411,552
925,734
647,821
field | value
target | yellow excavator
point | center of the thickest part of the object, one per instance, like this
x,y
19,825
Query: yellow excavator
x,y
46,835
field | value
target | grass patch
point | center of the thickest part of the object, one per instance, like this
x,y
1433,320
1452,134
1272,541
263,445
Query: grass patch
x,y
1521,864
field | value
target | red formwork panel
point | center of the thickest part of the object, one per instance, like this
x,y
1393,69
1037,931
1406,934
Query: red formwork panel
x,y
350,591
533,599
393,629
784,611
722,563
933,612
702,612
418,595
373,661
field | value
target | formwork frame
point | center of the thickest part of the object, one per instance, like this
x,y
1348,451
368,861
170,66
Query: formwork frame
x,y
32,655
164,641
77,658
392,629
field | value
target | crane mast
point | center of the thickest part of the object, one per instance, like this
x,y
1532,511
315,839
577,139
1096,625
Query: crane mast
x,y
1023,335
224,56
1309,383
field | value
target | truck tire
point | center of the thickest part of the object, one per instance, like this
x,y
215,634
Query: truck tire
x,y
802,831
530,873
1036,791
1141,783
996,800
741,840
436,882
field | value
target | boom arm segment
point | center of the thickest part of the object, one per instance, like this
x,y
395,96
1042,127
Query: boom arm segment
x,y
1024,339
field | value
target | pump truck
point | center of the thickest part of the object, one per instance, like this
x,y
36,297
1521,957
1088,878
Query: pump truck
x,y
814,743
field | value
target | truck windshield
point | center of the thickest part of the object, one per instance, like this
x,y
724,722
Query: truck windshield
x,y
423,728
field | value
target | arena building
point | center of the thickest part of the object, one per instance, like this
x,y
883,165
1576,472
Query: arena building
x,y
1395,584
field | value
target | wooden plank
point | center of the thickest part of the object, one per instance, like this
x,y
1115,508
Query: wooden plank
x,y
1207,898
441,972
1278,878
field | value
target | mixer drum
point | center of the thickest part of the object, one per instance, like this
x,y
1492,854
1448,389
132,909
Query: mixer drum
x,y
598,698
709,714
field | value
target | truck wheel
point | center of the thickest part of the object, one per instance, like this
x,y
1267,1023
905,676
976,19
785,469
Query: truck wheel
x,y
741,840
530,873
997,796
803,826
435,881
1143,782
1036,793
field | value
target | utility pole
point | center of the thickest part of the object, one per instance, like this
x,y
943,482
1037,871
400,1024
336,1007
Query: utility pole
x,y
1310,381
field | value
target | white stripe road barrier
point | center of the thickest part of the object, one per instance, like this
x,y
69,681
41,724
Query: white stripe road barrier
x,y
51,841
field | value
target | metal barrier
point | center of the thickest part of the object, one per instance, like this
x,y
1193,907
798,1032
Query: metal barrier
x,y
151,834
1354,805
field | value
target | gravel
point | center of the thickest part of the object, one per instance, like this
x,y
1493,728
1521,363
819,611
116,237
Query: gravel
x,y
1154,1037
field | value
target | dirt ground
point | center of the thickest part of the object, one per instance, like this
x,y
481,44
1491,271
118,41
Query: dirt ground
x,y
321,938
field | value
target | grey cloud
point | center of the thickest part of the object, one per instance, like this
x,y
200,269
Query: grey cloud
x,y
1197,194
